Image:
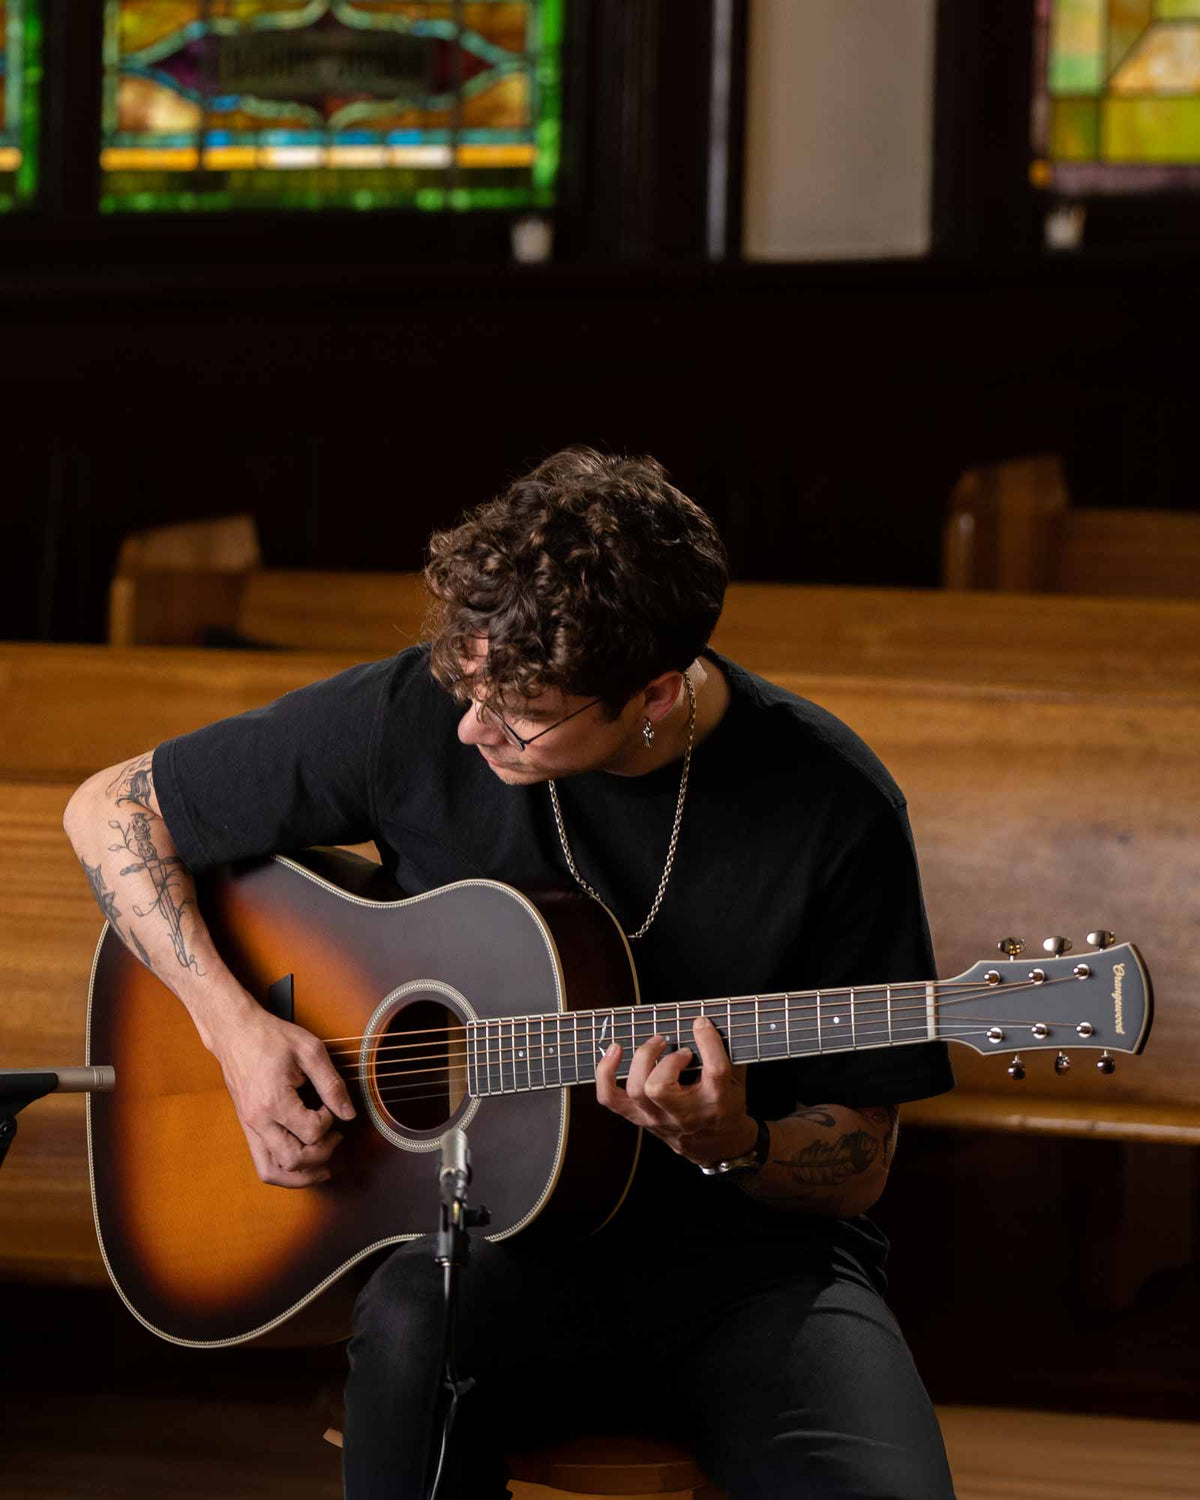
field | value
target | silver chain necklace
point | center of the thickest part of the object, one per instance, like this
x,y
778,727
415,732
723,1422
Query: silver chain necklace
x,y
666,874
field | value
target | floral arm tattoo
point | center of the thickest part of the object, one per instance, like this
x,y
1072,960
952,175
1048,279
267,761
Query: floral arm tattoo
x,y
132,789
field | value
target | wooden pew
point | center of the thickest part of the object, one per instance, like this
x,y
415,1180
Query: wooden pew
x,y
1053,808
918,635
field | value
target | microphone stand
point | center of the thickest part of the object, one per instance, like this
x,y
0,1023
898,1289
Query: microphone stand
x,y
21,1086
452,1252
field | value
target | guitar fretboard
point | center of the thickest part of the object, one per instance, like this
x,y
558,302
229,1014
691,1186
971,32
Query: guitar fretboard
x,y
517,1053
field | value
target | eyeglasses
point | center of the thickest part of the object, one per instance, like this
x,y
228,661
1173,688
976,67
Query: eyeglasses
x,y
486,714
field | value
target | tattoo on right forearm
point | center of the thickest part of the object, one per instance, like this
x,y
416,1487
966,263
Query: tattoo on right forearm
x,y
133,788
164,872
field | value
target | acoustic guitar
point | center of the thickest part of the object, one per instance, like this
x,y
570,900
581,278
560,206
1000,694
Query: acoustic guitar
x,y
476,1005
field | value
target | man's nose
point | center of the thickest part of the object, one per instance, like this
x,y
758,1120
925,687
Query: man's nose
x,y
475,728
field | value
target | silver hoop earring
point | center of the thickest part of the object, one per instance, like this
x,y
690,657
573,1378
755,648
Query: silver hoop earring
x,y
648,733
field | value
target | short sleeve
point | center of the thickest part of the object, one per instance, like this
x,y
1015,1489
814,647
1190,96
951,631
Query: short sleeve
x,y
870,928
298,772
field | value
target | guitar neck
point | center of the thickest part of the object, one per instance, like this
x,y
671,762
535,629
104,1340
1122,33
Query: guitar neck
x,y
518,1053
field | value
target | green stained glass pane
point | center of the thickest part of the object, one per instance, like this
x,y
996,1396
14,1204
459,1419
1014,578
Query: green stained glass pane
x,y
1077,50
363,104
20,77
1171,10
1075,129
1160,131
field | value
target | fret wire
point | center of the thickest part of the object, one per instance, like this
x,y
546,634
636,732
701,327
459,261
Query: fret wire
x,y
819,1046
757,1036
853,1033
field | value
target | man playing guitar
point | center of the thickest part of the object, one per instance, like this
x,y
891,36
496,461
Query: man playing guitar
x,y
569,724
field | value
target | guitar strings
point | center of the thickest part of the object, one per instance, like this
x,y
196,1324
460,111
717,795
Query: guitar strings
x,y
509,1053
404,1094
751,1003
502,1057
789,998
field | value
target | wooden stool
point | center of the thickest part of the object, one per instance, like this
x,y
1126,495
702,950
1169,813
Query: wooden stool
x,y
635,1467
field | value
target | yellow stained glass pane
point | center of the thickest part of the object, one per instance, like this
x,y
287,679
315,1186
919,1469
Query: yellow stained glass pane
x,y
1127,19
1165,61
1170,10
1158,131
1075,129
1077,47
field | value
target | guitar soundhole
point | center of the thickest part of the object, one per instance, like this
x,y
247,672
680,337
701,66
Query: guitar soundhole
x,y
420,1066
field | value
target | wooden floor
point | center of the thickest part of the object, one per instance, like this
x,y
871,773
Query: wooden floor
x,y
114,1446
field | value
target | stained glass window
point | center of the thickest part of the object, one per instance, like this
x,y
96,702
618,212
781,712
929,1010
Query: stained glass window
x,y
1117,95
20,35
233,104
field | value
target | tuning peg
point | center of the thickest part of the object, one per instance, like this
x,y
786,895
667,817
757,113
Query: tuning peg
x,y
1016,1069
1014,947
1101,939
1061,1063
1105,1063
1057,945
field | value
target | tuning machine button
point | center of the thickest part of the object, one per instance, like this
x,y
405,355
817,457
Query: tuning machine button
x,y
1105,1063
1057,945
1101,939
1016,1069
1061,1063
1012,946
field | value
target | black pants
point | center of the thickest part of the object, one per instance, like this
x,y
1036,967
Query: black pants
x,y
784,1383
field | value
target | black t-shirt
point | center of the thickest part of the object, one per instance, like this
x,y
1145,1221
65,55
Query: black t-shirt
x,y
795,870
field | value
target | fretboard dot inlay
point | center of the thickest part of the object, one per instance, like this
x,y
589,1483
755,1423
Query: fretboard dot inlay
x,y
837,1020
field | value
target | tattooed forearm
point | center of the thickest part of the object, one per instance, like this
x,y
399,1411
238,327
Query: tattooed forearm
x,y
169,901
830,1163
816,1115
105,899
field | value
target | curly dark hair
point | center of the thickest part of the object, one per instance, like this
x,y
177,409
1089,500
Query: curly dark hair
x,y
592,575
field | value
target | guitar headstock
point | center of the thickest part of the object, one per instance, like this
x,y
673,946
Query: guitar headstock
x,y
1100,999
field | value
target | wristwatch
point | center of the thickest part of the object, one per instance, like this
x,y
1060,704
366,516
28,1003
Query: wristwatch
x,y
738,1166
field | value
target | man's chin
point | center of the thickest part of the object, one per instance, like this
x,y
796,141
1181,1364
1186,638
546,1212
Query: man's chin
x,y
512,774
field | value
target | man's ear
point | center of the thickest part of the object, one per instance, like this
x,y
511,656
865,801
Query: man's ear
x,y
661,695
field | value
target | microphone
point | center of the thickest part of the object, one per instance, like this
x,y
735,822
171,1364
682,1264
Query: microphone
x,y
33,1083
455,1171
21,1086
